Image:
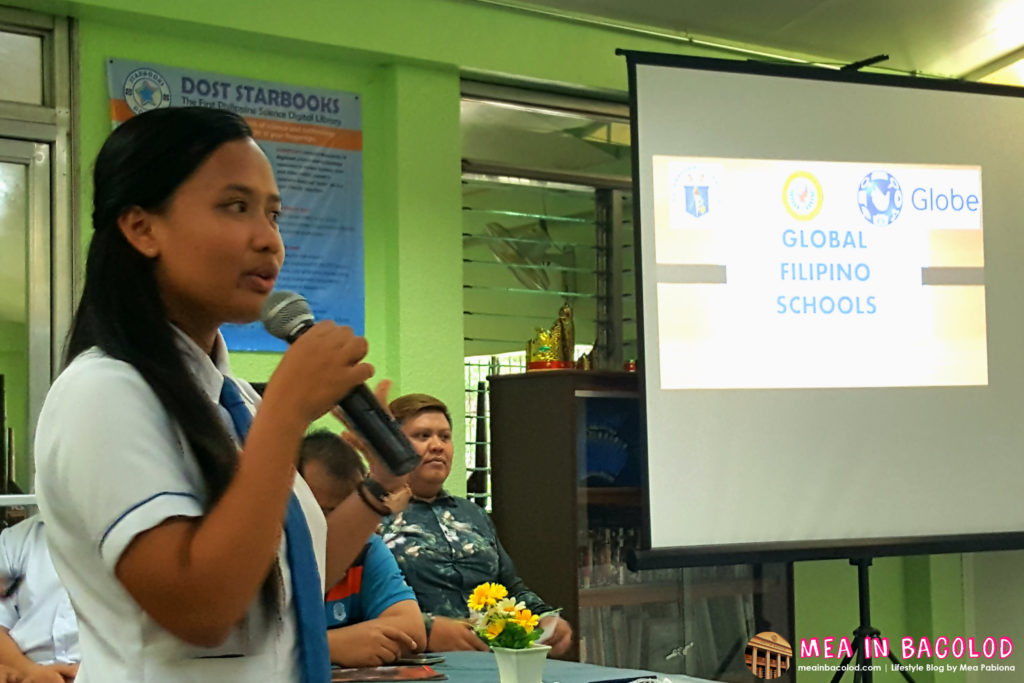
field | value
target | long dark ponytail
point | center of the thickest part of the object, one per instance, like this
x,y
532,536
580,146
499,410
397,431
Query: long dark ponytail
x,y
142,164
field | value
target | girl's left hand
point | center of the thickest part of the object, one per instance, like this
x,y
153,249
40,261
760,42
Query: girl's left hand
x,y
398,499
378,470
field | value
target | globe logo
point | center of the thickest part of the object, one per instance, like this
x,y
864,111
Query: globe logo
x,y
880,198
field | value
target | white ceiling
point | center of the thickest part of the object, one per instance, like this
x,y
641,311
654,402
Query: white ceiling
x,y
951,38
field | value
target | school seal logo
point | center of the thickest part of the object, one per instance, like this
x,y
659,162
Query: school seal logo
x,y
693,188
802,195
146,89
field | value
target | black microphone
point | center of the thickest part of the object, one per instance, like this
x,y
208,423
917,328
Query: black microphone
x,y
287,315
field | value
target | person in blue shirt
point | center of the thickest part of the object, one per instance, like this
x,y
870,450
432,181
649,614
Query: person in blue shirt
x,y
372,614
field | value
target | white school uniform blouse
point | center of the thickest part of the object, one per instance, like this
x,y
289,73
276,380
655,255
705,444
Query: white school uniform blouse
x,y
38,615
110,464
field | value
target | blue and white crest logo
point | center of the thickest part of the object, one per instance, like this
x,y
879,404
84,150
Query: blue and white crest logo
x,y
340,613
696,200
880,198
691,189
146,89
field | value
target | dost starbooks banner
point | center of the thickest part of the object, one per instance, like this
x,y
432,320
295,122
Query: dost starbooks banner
x,y
313,138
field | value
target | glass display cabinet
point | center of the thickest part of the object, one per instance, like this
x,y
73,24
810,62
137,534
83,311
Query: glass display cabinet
x,y
568,487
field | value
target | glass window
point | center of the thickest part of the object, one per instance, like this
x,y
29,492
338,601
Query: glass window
x,y
545,138
14,360
38,243
21,78
546,221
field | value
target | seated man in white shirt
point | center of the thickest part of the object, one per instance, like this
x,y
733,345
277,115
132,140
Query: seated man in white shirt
x,y
38,629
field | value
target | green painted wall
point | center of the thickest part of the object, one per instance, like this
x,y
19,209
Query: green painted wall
x,y
411,180
915,596
405,58
409,81
455,32
827,605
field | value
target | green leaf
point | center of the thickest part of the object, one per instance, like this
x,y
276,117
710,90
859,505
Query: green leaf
x,y
515,637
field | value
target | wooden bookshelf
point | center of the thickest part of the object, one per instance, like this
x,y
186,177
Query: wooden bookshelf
x,y
625,496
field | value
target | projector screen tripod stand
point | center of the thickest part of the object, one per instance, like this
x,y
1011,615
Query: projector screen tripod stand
x,y
865,635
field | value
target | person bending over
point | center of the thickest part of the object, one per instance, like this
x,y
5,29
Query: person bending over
x,y
446,545
372,615
38,628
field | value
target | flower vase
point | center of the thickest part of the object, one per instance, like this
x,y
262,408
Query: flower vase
x,y
521,666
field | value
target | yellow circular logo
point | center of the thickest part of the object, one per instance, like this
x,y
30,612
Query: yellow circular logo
x,y
802,195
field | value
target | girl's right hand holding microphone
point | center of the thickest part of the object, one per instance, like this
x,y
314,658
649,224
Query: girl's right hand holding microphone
x,y
318,369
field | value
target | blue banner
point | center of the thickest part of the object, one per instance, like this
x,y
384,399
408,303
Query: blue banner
x,y
313,138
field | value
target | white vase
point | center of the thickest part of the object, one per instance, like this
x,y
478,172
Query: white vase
x,y
521,666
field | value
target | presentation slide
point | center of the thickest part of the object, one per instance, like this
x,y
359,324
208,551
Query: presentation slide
x,y
831,287
849,274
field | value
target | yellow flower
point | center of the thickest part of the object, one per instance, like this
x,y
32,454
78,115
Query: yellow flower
x,y
486,595
494,629
478,598
497,593
527,619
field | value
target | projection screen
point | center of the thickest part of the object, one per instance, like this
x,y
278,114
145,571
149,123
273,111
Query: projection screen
x,y
832,306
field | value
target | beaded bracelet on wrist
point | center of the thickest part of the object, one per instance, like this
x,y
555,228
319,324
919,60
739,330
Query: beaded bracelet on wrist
x,y
372,501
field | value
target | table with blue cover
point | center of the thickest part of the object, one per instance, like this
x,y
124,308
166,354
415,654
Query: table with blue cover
x,y
480,667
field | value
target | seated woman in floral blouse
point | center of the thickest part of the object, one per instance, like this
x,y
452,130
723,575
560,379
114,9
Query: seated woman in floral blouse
x,y
446,546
